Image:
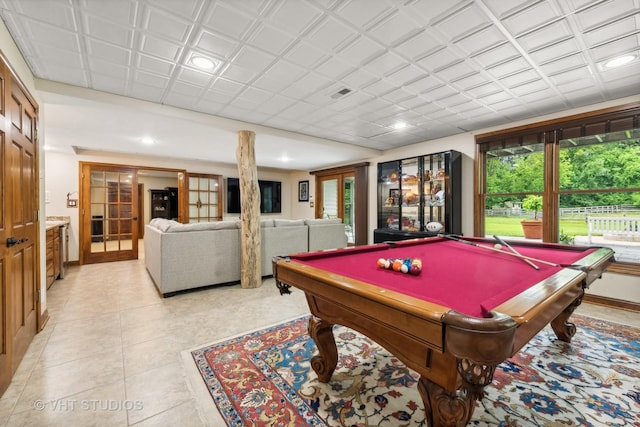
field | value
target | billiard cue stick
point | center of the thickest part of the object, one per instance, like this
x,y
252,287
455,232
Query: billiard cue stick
x,y
457,239
502,242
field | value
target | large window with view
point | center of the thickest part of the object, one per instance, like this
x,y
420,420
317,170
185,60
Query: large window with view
x,y
573,181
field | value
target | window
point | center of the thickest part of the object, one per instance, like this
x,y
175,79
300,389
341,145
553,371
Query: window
x,y
515,176
578,176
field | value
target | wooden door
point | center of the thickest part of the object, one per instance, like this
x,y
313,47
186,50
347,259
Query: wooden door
x,y
204,202
109,214
19,302
342,192
336,199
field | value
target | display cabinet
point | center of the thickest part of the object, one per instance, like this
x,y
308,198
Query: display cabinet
x,y
173,202
419,196
164,203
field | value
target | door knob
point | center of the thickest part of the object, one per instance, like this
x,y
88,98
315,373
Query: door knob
x,y
11,241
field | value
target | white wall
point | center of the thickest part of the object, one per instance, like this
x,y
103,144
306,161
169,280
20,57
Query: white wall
x,y
302,209
618,286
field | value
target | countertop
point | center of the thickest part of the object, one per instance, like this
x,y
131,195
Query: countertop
x,y
54,224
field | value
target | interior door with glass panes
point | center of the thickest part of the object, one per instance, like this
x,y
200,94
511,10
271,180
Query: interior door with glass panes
x,y
349,206
330,197
337,197
204,201
109,213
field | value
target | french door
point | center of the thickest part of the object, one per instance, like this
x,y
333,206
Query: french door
x,y
204,202
343,193
336,199
109,213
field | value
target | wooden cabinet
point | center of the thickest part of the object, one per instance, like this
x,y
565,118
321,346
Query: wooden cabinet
x,y
164,203
53,255
418,191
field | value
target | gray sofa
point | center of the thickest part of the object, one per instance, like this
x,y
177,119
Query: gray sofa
x,y
187,256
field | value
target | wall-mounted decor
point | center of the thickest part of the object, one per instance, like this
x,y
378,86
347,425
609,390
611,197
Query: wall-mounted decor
x,y
303,191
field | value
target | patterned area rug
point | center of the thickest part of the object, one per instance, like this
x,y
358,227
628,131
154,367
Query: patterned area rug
x,y
264,378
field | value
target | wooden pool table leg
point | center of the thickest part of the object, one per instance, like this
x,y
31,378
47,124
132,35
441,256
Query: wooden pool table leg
x,y
325,362
564,329
446,408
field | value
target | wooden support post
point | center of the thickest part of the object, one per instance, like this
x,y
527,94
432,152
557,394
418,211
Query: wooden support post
x,y
250,244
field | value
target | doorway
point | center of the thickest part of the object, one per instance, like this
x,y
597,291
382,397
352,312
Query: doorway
x,y
109,214
115,206
336,197
342,193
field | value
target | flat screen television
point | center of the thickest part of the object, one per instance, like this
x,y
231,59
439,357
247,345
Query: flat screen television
x,y
270,196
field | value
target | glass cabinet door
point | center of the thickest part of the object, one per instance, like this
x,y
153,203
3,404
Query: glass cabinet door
x,y
435,188
410,195
389,195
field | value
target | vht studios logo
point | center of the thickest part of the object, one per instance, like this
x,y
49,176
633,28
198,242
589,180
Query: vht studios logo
x,y
88,405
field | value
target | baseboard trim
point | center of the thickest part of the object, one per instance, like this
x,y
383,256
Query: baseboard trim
x,y
44,318
611,302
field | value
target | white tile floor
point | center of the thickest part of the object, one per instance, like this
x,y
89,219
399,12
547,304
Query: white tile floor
x,y
110,354
112,343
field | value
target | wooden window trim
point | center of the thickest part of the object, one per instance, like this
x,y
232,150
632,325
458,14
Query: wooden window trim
x,y
551,129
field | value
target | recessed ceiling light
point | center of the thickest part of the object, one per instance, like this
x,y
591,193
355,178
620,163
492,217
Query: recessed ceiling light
x,y
202,62
399,125
147,140
619,61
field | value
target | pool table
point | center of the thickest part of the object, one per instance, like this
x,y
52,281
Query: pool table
x,y
471,307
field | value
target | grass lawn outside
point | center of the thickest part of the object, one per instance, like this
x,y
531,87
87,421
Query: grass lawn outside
x,y
510,226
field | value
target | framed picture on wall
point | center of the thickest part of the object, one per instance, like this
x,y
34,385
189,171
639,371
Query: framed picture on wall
x,y
303,191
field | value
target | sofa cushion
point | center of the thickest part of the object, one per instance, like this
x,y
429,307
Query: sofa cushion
x,y
202,226
266,223
326,233
163,224
323,221
155,221
288,222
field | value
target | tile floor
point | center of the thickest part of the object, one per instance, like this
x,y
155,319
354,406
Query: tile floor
x,y
110,353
